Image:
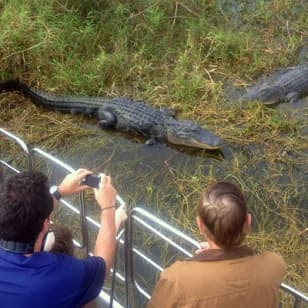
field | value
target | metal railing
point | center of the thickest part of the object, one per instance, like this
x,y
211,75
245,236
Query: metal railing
x,y
137,216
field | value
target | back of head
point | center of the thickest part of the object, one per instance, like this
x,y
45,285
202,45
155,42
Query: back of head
x,y
223,211
25,203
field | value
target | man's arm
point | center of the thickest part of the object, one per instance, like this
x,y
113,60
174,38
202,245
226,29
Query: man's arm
x,y
106,198
105,244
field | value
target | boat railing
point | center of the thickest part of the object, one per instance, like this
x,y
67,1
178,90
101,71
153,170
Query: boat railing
x,y
132,252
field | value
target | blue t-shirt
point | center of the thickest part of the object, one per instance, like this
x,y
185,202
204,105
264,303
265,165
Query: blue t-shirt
x,y
49,280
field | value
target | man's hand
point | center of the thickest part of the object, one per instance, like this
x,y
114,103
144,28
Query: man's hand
x,y
106,194
71,183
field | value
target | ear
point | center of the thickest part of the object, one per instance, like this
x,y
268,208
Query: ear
x,y
200,225
248,220
46,225
247,224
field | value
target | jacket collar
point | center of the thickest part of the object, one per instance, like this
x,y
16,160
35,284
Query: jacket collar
x,y
221,254
17,247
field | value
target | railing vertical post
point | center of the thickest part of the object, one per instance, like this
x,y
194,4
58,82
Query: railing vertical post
x,y
297,303
127,258
30,160
114,267
1,174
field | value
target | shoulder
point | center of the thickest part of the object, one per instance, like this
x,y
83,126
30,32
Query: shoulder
x,y
274,259
94,264
88,265
73,266
86,276
176,271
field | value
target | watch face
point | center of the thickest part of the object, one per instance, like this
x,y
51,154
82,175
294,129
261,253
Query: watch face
x,y
53,189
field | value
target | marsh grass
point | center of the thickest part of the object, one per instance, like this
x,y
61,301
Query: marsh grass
x,y
175,54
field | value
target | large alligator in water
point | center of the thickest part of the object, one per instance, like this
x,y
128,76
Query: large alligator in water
x,y
124,114
288,85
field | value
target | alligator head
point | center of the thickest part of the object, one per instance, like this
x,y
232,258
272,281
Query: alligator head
x,y
190,134
269,94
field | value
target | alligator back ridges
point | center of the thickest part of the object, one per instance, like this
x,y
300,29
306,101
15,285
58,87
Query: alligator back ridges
x,y
295,78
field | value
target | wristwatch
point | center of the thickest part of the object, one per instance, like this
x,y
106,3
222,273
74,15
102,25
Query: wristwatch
x,y
55,192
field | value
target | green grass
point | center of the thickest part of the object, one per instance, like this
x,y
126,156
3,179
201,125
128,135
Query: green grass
x,y
176,57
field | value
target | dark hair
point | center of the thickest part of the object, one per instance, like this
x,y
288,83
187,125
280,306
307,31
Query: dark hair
x,y
223,211
63,240
24,205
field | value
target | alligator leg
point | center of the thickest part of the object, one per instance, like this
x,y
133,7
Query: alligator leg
x,y
152,141
106,119
168,112
292,97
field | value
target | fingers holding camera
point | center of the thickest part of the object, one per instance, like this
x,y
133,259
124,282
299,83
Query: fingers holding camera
x,y
105,195
71,183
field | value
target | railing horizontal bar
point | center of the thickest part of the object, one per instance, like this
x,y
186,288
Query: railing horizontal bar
x,y
16,139
70,206
77,244
106,298
164,237
142,291
294,292
119,276
150,261
165,225
9,166
54,159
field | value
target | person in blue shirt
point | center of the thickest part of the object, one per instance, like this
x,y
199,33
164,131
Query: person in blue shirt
x,y
30,277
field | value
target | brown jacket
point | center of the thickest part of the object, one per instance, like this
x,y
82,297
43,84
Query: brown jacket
x,y
216,279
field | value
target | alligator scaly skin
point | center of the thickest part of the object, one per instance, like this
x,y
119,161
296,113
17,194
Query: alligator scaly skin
x,y
288,85
123,114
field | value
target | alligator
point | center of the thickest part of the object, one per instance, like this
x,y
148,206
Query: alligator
x,y
289,85
124,114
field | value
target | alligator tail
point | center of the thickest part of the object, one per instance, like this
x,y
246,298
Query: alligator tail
x,y
13,85
64,104
16,85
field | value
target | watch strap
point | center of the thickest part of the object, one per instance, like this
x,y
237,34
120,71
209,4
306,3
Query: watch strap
x,y
56,194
